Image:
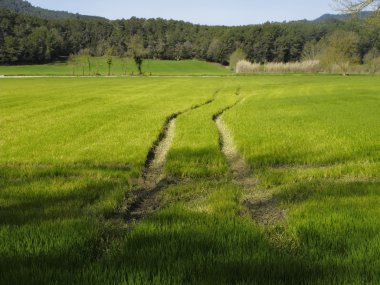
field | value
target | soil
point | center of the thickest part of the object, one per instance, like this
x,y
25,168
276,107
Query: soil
x,y
261,205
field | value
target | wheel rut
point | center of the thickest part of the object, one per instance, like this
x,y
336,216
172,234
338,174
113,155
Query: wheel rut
x,y
260,205
144,199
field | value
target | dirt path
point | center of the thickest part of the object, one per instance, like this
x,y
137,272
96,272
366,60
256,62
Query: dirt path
x,y
144,199
113,76
241,172
260,204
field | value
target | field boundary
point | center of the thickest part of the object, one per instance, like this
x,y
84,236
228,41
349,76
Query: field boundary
x,y
113,76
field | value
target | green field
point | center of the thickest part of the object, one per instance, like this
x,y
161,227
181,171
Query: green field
x,y
119,67
71,149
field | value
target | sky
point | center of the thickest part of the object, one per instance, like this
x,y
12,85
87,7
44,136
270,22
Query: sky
x,y
209,12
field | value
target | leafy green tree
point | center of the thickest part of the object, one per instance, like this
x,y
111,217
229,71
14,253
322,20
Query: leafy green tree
x,y
109,60
341,49
312,50
184,50
215,51
137,51
235,57
39,49
30,39
372,60
9,50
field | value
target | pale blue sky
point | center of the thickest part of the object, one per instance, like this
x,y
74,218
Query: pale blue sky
x,y
212,12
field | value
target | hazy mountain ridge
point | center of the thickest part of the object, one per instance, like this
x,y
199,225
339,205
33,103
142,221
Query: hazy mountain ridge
x,y
341,17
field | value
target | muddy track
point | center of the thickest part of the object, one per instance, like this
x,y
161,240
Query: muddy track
x,y
144,199
259,204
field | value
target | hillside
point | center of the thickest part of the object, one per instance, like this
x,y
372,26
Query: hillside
x,y
24,7
340,17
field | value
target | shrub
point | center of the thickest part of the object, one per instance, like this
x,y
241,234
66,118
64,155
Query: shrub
x,y
372,61
376,65
244,66
308,66
342,49
236,56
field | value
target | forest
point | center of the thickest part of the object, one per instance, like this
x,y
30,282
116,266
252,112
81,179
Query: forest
x,y
27,39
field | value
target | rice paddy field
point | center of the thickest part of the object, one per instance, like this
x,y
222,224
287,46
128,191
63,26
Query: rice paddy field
x,y
72,149
119,67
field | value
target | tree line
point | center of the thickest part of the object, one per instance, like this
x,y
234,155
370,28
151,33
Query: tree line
x,y
30,39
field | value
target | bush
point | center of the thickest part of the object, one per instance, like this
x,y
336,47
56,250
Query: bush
x,y
375,65
372,61
244,66
340,49
308,66
236,56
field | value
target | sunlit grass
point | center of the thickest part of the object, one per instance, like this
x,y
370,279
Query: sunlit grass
x,y
123,67
71,148
316,143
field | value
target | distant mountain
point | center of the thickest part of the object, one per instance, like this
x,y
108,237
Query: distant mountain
x,y
341,17
24,7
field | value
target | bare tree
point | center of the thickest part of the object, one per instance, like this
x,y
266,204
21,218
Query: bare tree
x,y
356,6
73,62
85,59
124,62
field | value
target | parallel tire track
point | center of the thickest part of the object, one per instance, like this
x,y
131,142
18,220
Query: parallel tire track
x,y
144,198
261,205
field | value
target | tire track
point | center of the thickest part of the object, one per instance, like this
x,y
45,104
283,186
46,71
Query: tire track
x,y
260,205
144,199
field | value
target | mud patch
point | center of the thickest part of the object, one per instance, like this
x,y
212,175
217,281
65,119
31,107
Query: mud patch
x,y
241,172
264,209
144,199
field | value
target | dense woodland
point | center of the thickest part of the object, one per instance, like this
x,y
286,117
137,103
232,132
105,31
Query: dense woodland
x,y
24,7
30,39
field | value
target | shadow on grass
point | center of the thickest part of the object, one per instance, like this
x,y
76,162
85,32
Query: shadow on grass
x,y
51,219
57,206
178,246
319,188
196,162
53,240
